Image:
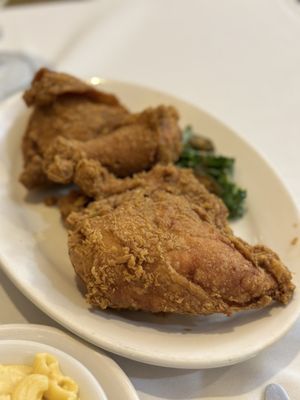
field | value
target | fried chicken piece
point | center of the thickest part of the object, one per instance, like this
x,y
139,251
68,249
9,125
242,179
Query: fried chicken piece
x,y
143,140
71,121
159,242
64,107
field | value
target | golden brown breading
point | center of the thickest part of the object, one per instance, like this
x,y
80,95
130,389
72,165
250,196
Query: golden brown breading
x,y
47,86
64,107
71,121
160,242
143,140
96,183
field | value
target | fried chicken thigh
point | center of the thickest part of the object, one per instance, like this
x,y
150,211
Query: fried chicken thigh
x,y
64,108
72,121
160,242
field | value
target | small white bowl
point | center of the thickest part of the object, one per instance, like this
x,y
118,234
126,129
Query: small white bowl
x,y
23,352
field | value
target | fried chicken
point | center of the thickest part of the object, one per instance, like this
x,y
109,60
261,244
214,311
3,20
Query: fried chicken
x,y
64,107
143,140
72,121
160,242
155,240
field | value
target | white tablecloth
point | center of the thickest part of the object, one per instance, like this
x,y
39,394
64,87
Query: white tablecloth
x,y
238,60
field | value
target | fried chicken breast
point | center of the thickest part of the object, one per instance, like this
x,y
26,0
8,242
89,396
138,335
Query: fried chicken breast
x,y
160,242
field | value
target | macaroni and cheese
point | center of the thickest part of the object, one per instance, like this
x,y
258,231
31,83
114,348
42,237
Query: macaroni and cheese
x,y
41,381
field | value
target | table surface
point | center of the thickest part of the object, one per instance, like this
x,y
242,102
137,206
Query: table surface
x,y
238,60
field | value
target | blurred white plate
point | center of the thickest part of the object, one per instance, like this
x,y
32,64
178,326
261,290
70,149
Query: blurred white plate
x,y
112,379
33,251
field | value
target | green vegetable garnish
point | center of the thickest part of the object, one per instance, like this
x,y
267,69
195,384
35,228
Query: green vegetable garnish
x,y
214,171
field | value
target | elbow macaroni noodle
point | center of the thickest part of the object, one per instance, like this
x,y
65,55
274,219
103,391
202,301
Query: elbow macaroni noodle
x,y
41,381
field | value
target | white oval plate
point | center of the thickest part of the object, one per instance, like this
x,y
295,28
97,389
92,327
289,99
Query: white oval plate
x,y
112,379
33,251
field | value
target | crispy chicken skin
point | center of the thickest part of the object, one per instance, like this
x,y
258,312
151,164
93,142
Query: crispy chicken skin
x,y
64,107
96,183
160,242
72,121
142,140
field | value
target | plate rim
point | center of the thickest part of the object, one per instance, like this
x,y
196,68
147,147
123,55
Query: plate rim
x,y
161,359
